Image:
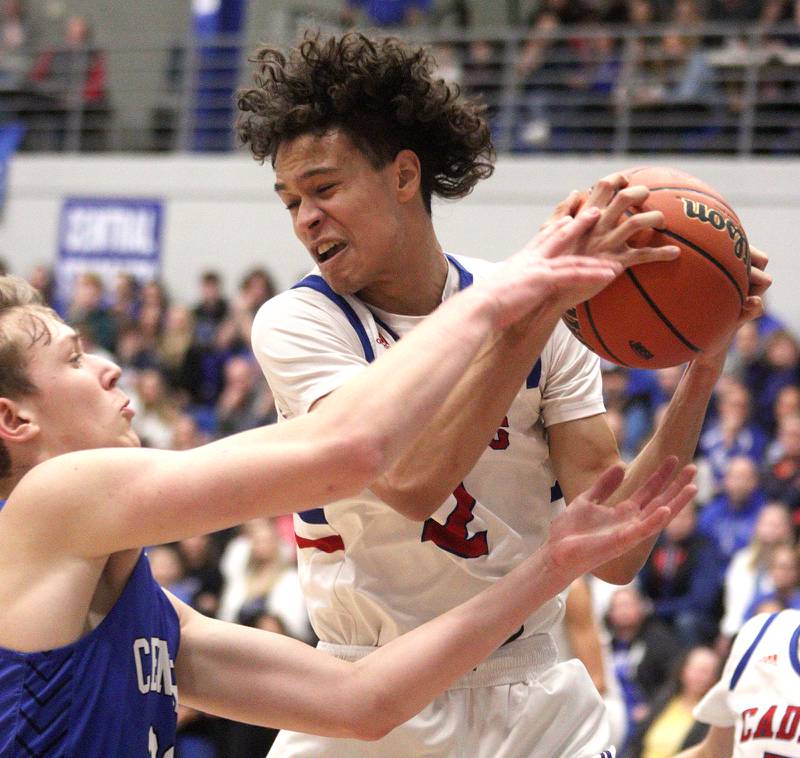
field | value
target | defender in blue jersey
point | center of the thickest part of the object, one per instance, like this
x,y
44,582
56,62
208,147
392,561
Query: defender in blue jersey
x,y
94,656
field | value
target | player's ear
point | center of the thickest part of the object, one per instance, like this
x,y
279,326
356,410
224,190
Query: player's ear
x,y
409,175
16,422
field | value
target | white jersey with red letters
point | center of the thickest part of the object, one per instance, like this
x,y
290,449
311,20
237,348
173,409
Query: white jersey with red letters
x,y
368,573
759,692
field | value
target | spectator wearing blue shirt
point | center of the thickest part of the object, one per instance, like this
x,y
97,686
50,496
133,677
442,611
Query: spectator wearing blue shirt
x,y
785,574
681,577
728,520
732,433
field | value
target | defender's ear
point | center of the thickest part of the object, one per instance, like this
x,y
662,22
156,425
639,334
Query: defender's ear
x,y
409,175
16,424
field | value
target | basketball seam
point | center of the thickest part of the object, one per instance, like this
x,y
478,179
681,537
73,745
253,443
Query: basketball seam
x,y
643,292
699,250
698,192
597,334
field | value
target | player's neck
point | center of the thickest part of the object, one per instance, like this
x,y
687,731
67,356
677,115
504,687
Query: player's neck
x,y
416,285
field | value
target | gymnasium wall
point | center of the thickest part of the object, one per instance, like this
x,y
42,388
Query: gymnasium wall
x,y
221,212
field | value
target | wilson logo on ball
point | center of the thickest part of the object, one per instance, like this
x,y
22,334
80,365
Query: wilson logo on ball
x,y
698,210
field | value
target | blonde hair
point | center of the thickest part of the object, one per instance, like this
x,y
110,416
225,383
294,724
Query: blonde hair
x,y
19,298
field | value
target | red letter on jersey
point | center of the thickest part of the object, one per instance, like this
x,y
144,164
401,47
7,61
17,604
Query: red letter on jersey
x,y
787,730
747,733
453,535
500,441
764,728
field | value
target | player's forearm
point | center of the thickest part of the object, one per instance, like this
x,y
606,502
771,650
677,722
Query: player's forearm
x,y
677,435
458,434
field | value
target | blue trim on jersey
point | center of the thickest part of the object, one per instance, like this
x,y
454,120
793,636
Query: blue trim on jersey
x,y
793,651
555,492
313,516
2,503
745,659
464,276
535,376
316,282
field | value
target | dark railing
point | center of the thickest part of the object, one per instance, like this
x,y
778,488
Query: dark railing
x,y
708,89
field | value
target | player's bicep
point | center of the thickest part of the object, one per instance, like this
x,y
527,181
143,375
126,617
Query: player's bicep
x,y
580,451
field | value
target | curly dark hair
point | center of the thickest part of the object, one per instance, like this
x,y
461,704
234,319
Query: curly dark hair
x,y
382,94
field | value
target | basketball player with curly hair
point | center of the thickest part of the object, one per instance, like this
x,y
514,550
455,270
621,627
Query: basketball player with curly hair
x,y
361,135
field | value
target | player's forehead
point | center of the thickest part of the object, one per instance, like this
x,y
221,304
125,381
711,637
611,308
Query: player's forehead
x,y
309,155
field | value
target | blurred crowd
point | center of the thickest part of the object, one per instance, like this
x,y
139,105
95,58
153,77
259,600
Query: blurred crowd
x,y
190,373
556,75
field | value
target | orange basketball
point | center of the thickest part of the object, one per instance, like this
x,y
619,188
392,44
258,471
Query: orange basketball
x,y
666,313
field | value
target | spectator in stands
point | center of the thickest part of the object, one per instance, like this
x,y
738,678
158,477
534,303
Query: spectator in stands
x,y
168,571
74,75
670,726
259,574
42,278
733,433
728,520
778,367
781,478
125,302
186,433
747,576
245,402
14,41
744,352
201,566
133,356
681,578
88,307
173,345
784,572
386,13
642,648
155,417
211,310
257,286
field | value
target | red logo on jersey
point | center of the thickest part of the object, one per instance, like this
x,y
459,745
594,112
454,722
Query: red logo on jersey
x,y
771,659
382,341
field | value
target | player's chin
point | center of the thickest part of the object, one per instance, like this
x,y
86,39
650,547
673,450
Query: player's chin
x,y
129,439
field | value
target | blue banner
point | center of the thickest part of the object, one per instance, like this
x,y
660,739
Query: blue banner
x,y
107,236
10,137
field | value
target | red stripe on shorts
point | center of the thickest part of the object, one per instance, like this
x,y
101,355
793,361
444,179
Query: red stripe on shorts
x,y
327,544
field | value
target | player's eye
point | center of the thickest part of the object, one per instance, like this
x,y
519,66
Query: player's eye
x,y
76,359
291,205
325,188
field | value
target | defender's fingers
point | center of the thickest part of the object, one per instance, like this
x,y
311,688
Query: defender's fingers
x,y
567,207
635,223
605,189
606,484
656,482
570,232
683,478
630,197
652,254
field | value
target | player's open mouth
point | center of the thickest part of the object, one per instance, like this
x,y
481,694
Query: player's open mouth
x,y
327,250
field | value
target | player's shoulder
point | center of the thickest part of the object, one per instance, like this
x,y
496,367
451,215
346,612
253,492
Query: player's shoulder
x,y
756,628
478,267
293,303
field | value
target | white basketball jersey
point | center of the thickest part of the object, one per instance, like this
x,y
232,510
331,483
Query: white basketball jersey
x,y
759,692
368,573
